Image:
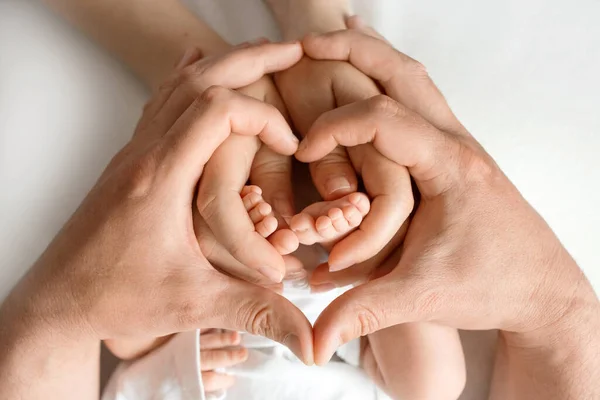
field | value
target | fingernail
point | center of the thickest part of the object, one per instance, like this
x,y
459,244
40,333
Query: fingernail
x,y
186,58
337,184
273,274
322,288
292,342
338,266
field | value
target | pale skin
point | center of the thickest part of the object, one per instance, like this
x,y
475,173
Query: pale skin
x,y
546,310
150,44
558,361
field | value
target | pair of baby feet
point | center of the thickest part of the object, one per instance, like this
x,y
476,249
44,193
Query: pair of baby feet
x,y
326,222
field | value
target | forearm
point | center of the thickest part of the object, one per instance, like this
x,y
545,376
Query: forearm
x,y
150,36
563,362
39,362
296,18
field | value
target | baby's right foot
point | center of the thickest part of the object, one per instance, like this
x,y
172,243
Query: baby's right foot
x,y
328,222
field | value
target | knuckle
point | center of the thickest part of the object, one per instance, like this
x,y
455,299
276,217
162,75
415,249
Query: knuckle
x,y
476,166
258,318
368,321
214,94
386,106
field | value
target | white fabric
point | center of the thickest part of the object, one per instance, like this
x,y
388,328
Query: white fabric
x,y
272,371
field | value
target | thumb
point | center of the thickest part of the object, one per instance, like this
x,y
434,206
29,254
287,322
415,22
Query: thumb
x,y
242,306
365,309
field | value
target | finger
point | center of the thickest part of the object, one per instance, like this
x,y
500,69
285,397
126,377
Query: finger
x,y
222,358
370,307
215,382
217,340
334,175
223,209
233,70
223,261
235,305
396,132
390,187
403,78
210,120
246,65
322,279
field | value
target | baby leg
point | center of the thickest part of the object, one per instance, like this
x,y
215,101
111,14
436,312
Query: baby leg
x,y
328,222
416,361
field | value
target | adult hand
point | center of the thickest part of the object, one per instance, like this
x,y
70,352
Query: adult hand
x,y
476,255
128,264
225,232
310,88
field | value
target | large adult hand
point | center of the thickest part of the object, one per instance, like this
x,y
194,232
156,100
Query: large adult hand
x,y
128,264
476,255
311,88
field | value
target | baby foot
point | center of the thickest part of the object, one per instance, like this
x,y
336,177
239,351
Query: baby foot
x,y
328,222
265,223
259,211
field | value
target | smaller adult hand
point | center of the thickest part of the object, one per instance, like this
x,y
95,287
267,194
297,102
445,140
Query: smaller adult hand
x,y
476,255
219,349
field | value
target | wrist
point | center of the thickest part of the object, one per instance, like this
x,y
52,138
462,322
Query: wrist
x,y
296,18
40,355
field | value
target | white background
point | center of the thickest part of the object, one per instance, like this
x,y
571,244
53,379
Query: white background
x,y
522,75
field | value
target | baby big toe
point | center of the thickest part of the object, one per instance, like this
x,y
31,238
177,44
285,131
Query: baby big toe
x,y
266,226
246,190
303,225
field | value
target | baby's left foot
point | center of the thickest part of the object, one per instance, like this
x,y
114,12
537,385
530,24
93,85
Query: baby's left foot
x,y
259,211
328,222
265,223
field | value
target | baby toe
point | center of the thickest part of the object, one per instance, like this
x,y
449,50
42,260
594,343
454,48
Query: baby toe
x,y
285,241
303,225
325,227
338,220
246,190
251,200
267,226
361,202
259,212
352,215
